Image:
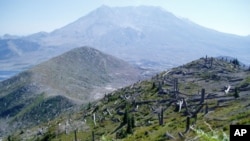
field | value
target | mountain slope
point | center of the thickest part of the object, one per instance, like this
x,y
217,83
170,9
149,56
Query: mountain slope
x,y
83,70
148,31
150,110
76,77
142,31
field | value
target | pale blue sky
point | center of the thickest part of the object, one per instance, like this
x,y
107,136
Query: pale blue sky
x,y
23,17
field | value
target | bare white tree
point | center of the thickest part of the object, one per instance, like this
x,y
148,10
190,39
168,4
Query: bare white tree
x,y
228,89
94,119
180,104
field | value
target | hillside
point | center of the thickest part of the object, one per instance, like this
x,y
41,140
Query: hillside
x,y
85,70
195,101
60,84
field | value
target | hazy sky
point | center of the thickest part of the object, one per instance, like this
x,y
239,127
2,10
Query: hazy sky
x,y
23,17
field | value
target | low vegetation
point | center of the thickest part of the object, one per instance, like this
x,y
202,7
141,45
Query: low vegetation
x,y
191,102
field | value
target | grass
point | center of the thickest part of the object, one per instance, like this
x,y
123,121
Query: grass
x,y
27,109
173,123
211,136
245,82
212,126
190,88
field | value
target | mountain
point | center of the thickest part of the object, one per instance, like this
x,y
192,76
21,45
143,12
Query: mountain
x,y
148,31
46,90
195,101
133,34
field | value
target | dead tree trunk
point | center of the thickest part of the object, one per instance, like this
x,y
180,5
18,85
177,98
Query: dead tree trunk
x,y
65,128
202,96
160,117
206,109
169,136
206,60
180,104
211,62
109,112
93,136
195,119
176,88
186,106
176,81
94,119
181,135
187,125
75,134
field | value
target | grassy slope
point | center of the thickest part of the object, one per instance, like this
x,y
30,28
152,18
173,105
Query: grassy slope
x,y
50,88
214,125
